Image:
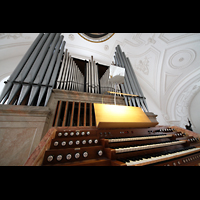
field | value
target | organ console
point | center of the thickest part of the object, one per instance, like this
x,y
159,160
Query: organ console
x,y
79,135
90,146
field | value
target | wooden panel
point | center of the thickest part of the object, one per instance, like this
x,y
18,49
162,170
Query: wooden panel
x,y
92,154
58,113
90,114
91,162
36,158
117,116
72,114
126,124
65,114
85,106
79,109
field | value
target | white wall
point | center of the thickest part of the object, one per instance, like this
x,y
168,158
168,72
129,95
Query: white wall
x,y
7,66
194,112
155,109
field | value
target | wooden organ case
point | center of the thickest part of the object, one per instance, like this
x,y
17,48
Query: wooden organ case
x,y
81,143
122,147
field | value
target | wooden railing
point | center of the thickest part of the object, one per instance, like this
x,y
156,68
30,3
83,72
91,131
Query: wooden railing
x,y
36,158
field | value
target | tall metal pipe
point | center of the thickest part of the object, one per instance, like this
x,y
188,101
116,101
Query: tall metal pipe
x,y
62,69
35,68
49,72
54,74
92,74
20,66
22,75
131,79
140,90
66,73
87,75
73,75
40,74
123,87
69,75
127,77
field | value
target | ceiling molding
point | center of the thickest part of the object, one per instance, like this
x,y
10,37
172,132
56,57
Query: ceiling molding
x,y
165,36
169,80
11,45
183,85
12,36
182,58
145,65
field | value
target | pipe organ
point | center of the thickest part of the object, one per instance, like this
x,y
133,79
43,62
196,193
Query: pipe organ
x,y
74,137
47,66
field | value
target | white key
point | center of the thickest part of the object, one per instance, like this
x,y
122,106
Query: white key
x,y
157,158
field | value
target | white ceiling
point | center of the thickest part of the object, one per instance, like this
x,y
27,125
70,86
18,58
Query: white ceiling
x,y
167,65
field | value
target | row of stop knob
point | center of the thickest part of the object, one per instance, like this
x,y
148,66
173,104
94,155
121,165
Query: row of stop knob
x,y
77,142
69,156
78,133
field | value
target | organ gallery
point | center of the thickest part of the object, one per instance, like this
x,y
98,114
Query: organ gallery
x,y
82,112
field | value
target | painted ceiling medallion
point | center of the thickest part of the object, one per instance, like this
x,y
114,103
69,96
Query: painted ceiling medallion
x,y
96,37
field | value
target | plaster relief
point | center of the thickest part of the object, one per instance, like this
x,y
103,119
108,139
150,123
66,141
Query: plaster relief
x,y
143,65
182,59
169,80
172,37
12,35
141,39
182,106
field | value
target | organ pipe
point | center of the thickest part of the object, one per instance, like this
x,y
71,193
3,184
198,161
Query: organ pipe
x,y
46,66
24,72
48,73
131,84
54,74
40,74
70,77
35,68
19,67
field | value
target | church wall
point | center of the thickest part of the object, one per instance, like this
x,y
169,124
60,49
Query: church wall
x,y
7,66
21,129
194,111
155,109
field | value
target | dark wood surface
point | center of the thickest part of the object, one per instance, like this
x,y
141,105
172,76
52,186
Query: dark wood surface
x,y
109,156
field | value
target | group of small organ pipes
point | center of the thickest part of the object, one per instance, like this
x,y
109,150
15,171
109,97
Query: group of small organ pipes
x,y
70,76
89,146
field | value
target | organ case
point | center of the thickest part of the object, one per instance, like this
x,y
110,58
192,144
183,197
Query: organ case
x,y
79,142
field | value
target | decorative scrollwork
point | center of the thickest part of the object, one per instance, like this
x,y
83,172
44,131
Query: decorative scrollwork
x,y
12,35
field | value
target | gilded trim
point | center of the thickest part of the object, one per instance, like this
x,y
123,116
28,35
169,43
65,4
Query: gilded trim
x,y
96,40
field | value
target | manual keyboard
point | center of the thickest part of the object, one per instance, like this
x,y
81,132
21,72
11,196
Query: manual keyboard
x,y
144,147
151,159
